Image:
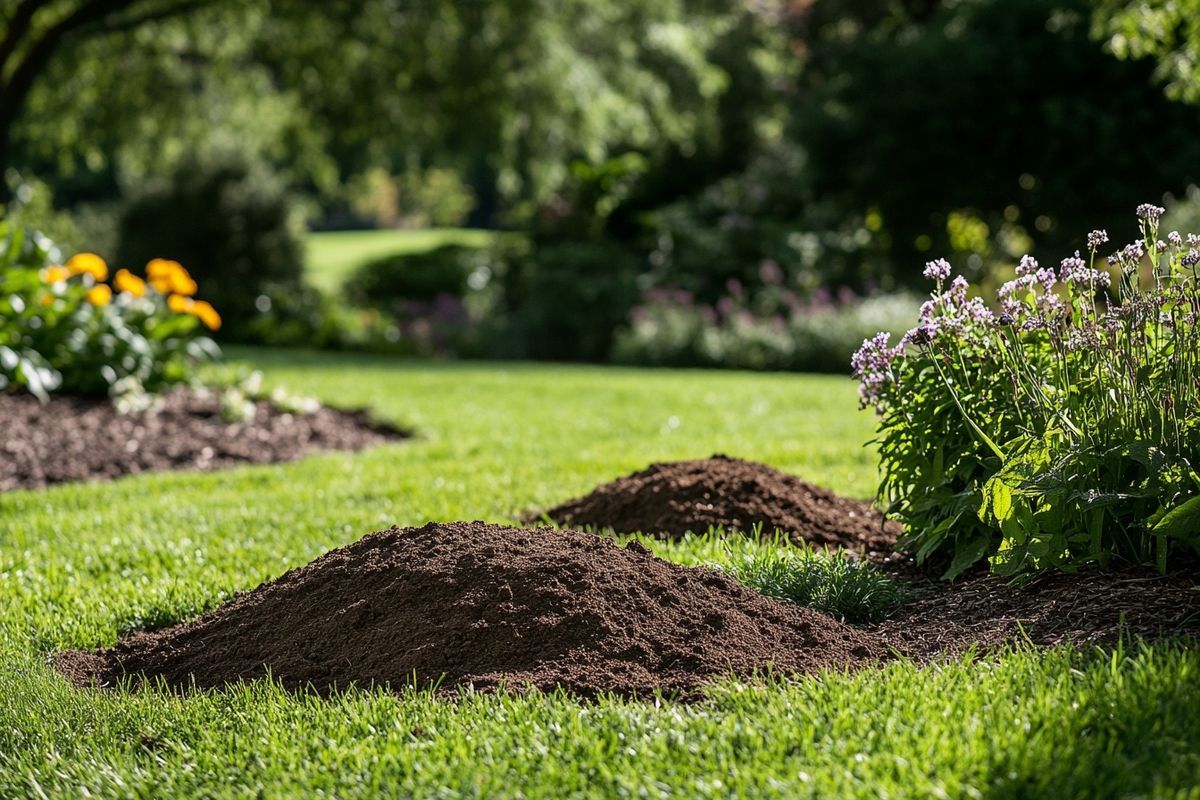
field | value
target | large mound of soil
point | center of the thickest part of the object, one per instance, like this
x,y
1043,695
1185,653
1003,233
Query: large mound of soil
x,y
471,603
673,498
73,439
1089,608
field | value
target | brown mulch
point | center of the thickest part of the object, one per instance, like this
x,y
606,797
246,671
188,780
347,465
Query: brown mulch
x,y
74,438
1083,609
671,499
473,603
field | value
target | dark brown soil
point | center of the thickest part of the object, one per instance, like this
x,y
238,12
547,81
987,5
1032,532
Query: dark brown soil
x,y
74,439
1091,608
471,603
671,499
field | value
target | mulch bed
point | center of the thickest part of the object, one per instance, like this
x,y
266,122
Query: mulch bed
x,y
74,439
1089,608
671,499
472,603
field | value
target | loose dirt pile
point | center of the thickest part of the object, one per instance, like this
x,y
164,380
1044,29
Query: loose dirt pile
x,y
73,439
471,603
671,499
1090,608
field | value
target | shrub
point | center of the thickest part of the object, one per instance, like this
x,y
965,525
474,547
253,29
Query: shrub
x,y
820,335
393,280
563,300
68,328
1061,431
230,222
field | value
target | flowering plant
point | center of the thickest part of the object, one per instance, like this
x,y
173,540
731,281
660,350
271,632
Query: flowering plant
x,y
68,327
1059,426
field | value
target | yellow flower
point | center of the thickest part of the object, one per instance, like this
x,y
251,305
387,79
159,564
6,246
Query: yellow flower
x,y
55,274
169,277
204,312
88,264
160,268
182,283
126,281
99,295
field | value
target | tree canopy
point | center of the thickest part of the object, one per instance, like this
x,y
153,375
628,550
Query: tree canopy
x,y
520,86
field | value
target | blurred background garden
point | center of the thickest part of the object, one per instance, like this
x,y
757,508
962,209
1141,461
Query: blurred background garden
x,y
727,183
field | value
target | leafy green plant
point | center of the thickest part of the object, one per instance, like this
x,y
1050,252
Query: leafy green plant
x,y
832,583
66,328
1062,430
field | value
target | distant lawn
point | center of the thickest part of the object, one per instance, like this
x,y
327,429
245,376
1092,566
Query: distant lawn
x,y
333,255
81,563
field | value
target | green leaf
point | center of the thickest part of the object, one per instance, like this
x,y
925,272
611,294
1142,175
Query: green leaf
x,y
1182,521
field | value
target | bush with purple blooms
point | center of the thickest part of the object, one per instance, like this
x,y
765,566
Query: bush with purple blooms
x,y
1058,427
771,329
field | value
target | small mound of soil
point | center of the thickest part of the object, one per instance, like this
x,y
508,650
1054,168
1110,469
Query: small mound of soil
x,y
674,498
1089,608
471,603
75,439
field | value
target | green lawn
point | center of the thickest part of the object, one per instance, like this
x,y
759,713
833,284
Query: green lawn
x,y
80,564
333,255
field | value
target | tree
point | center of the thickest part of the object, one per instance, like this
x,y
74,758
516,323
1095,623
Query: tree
x,y
527,85
35,30
1167,30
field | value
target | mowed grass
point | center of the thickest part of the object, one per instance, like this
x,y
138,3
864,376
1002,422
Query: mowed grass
x,y
80,564
332,255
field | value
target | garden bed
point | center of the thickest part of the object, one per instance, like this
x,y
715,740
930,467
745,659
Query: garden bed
x,y
75,439
471,603
1053,608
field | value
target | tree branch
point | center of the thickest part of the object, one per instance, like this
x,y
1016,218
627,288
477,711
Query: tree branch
x,y
137,20
16,89
16,27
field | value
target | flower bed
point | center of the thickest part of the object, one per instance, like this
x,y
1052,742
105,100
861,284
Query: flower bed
x,y
1057,428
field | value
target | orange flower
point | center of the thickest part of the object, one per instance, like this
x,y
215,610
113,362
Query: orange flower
x,y
182,282
180,304
99,295
126,281
204,312
88,264
169,277
55,274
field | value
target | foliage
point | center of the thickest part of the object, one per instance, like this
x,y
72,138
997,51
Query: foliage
x,y
416,199
1166,30
832,583
772,330
233,223
1019,122
517,89
1061,432
64,328
413,276
562,299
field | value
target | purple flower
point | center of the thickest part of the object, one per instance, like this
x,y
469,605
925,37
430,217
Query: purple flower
x,y
1150,213
1175,239
1070,266
1028,265
1046,278
937,270
1191,259
872,365
1096,238
770,273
